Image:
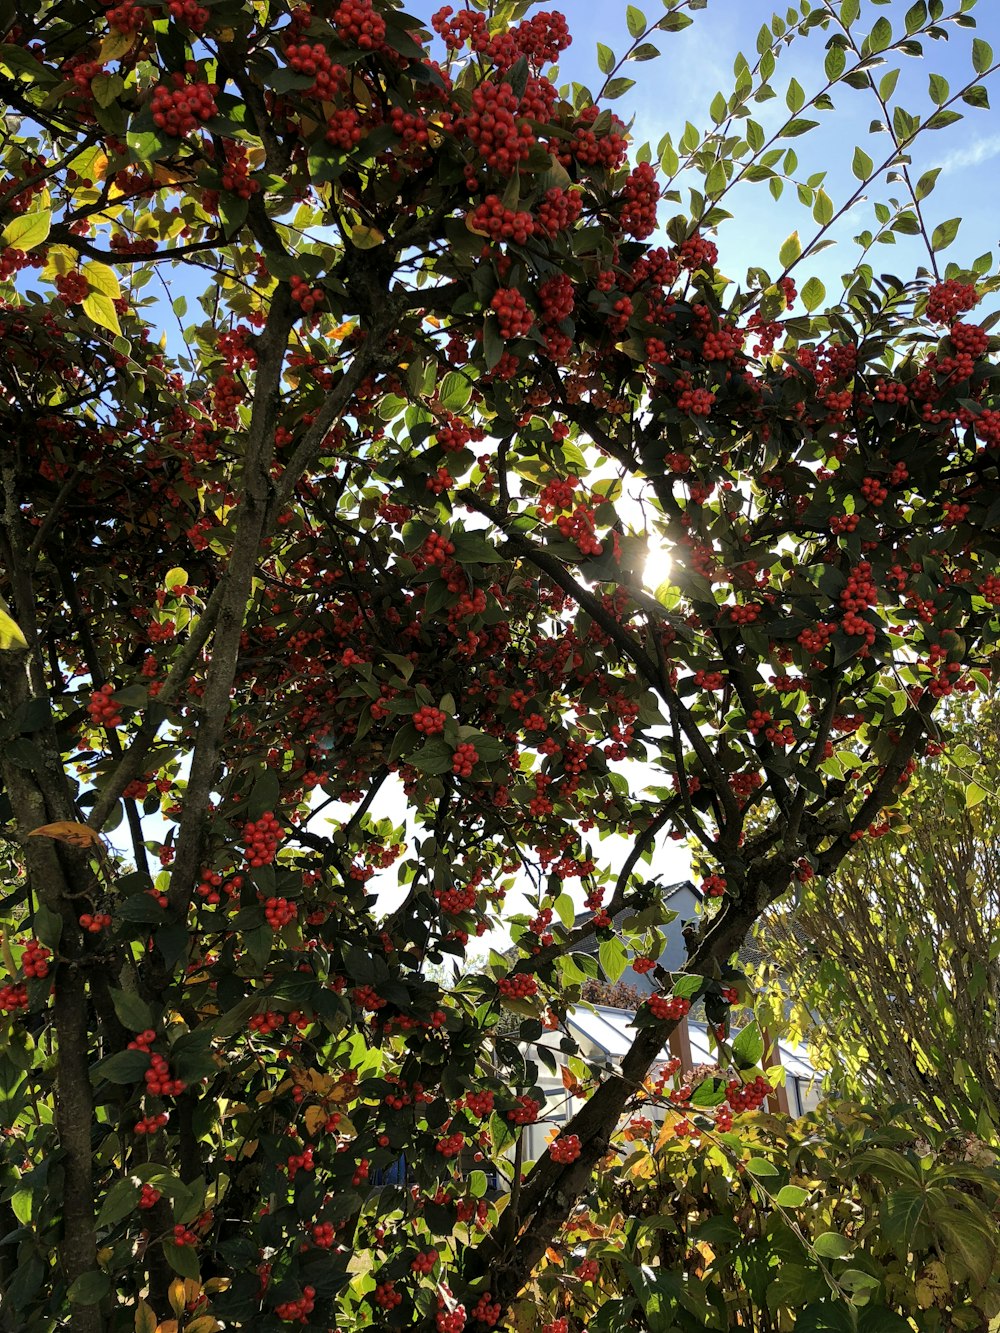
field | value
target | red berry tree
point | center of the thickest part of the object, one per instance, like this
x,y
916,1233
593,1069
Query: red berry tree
x,y
345,381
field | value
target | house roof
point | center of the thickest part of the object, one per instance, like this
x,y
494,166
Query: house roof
x,y
611,1032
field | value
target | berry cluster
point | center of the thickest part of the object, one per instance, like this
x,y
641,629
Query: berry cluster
x,y
150,1124
35,959
513,315
13,996
565,1149
187,13
72,287
945,300
307,298
179,109
525,1110
424,1263
486,1311
297,1311
94,922
479,1104
713,886
315,63
357,23
464,760
453,1322
559,210
641,195
103,710
427,720
260,838
158,1080
666,1007
579,528
149,1197
520,987
748,1096
279,911
451,1144
502,140
492,219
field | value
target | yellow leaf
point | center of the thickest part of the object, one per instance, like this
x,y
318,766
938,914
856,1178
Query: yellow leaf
x,y
177,1296
101,309
11,637
315,1118
116,45
203,1324
168,1326
145,1320
176,578
61,260
366,238
341,331
28,230
102,278
68,831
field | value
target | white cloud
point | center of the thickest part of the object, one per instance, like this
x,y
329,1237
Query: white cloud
x,y
980,150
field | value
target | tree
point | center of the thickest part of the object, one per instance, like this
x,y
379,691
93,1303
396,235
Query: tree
x,y
893,965
361,527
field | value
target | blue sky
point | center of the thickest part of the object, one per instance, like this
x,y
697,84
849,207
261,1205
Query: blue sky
x,y
698,62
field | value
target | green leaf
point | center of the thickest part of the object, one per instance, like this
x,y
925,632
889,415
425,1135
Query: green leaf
x,y
887,84
434,757
454,391
613,958
827,1317
877,1319
982,55
636,21
860,1285
617,87
791,1196
823,209
124,1067
565,910
835,63
938,89
926,183
945,233
813,294
90,1288
790,250
133,1012
974,794
862,165
605,58
748,1046
795,1286
182,1259
29,230
881,35
266,794
916,17
795,98
832,1245
709,1092
760,1166
101,309
120,1200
